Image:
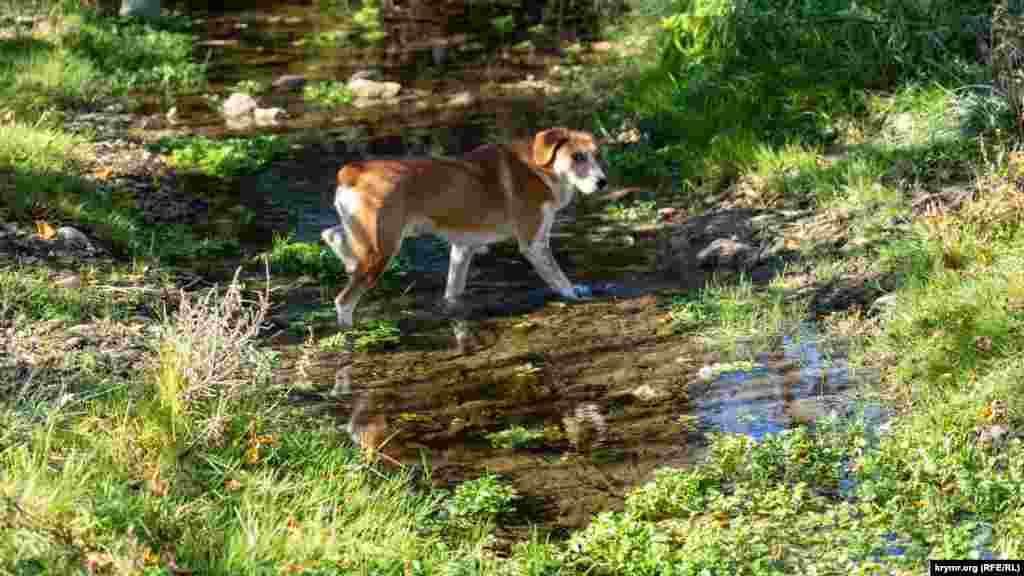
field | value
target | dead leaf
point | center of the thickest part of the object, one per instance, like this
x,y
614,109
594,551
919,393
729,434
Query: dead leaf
x,y
232,485
97,560
45,230
149,557
157,485
252,454
103,173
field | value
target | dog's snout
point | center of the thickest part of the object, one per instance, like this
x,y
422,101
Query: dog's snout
x,y
601,183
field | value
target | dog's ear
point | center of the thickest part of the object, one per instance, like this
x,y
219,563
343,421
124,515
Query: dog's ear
x,y
545,143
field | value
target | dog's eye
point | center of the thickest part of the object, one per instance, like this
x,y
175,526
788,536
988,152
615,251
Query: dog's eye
x,y
579,157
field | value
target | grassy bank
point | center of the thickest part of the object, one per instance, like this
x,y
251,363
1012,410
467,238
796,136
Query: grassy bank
x,y
143,429
882,120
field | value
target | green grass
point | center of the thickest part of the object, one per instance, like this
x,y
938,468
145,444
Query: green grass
x,y
369,335
515,437
328,93
88,58
27,295
288,256
222,158
481,500
637,211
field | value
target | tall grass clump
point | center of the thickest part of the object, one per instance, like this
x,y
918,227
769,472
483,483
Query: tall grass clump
x,y
735,75
208,360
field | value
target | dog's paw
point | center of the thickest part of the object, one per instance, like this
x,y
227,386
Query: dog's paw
x,y
582,291
577,292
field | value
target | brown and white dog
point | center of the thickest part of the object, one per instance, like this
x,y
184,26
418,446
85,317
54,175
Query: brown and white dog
x,y
489,194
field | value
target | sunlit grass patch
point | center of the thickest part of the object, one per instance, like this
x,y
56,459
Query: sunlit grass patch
x,y
725,311
86,57
288,256
27,295
224,158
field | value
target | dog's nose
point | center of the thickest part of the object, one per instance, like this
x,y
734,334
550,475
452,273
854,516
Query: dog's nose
x,y
601,183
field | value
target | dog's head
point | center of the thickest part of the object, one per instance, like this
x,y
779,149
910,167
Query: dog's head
x,y
572,156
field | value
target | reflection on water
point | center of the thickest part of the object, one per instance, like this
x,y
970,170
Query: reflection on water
x,y
600,410
792,379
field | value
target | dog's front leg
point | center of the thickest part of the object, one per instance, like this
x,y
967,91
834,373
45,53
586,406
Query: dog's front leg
x,y
539,254
458,270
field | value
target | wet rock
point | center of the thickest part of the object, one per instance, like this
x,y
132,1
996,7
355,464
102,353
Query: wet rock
x,y
586,427
71,281
239,104
172,115
855,291
885,302
154,122
727,253
675,256
289,83
461,99
73,238
439,54
367,74
708,373
366,89
740,239
361,103
83,330
269,116
648,393
73,343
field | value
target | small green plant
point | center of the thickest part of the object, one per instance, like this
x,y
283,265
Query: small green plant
x,y
617,543
251,87
225,158
328,39
504,25
328,93
375,335
638,211
27,296
288,256
515,437
367,18
481,500
673,493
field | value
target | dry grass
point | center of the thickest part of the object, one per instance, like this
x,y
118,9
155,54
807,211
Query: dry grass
x,y
208,356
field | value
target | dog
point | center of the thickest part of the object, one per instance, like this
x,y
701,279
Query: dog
x,y
489,194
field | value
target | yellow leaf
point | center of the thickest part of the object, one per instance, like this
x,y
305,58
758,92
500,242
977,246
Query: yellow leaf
x,y
46,231
252,454
103,173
